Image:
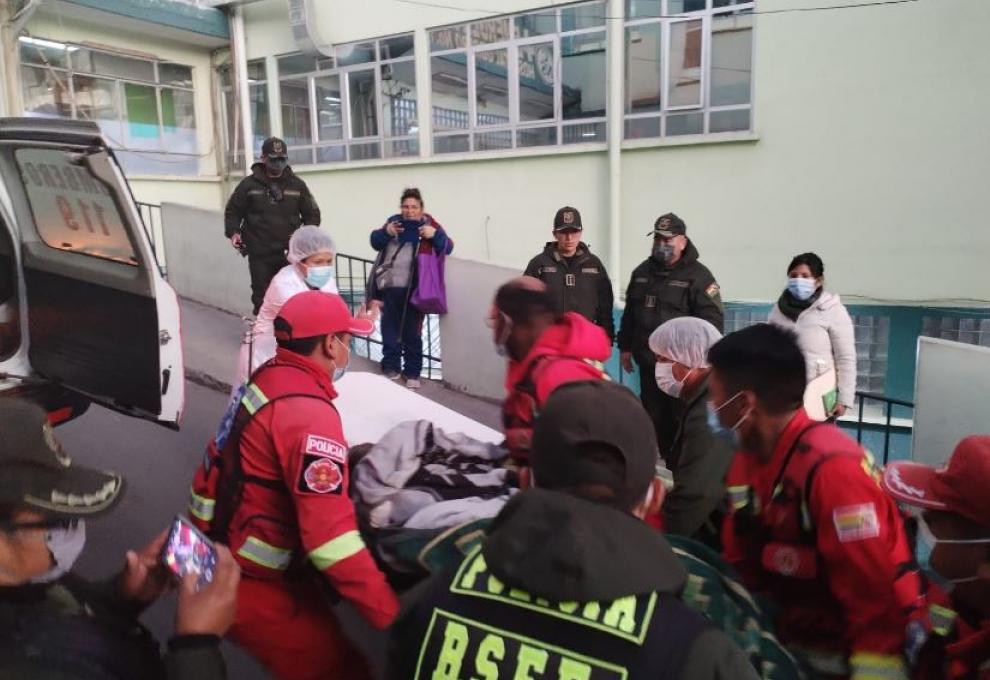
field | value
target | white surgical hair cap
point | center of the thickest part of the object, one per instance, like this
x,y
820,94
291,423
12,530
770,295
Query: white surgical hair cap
x,y
686,340
309,240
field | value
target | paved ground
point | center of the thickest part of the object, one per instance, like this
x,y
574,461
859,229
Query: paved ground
x,y
158,464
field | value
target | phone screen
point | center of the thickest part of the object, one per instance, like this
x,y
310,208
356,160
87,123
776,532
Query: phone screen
x,y
187,550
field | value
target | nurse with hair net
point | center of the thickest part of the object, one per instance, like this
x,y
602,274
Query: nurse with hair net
x,y
698,457
311,267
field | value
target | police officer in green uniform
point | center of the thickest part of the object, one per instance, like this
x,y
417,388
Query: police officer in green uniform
x,y
671,283
570,582
573,275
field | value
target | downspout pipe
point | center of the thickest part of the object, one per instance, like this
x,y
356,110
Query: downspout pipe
x,y
616,81
239,59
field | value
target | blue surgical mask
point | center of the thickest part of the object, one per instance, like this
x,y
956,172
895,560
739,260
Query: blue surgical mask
x,y
65,544
730,435
802,289
317,277
924,546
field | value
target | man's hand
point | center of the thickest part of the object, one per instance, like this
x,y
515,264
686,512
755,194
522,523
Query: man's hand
x,y
371,313
393,229
839,410
144,578
211,609
626,358
375,307
427,232
237,241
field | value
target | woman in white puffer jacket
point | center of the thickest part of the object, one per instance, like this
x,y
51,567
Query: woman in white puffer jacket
x,y
825,334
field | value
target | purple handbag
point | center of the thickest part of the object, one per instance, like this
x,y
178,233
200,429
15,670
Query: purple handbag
x,y
430,296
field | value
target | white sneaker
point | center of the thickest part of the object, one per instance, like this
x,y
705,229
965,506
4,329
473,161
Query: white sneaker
x,y
413,383
393,375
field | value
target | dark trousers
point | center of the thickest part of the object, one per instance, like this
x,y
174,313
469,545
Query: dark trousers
x,y
263,269
402,339
664,410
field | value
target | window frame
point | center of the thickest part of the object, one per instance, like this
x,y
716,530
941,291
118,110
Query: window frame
x,y
665,111
233,158
512,45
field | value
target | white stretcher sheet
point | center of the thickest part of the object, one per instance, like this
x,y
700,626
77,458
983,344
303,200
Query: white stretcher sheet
x,y
370,405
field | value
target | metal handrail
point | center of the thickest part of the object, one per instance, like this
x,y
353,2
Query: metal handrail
x,y
889,403
151,214
355,293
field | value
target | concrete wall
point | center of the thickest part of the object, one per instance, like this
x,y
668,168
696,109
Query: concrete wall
x,y
204,193
470,363
201,264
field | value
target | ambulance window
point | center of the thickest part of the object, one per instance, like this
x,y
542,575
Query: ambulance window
x,y
73,210
10,327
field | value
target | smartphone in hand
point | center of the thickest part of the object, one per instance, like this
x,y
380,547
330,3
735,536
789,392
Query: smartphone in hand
x,y
187,550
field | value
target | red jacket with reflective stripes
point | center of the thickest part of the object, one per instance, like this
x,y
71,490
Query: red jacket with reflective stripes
x,y
303,512
813,531
562,354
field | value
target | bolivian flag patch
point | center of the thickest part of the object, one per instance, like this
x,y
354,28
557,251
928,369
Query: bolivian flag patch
x,y
856,522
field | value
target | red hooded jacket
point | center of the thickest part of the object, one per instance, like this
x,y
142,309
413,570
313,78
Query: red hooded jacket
x,y
565,353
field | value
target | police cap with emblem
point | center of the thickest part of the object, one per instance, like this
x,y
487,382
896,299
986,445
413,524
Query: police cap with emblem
x,y
35,473
578,421
567,219
668,226
273,147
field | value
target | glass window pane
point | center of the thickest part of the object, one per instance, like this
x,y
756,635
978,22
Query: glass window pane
x,y
300,155
449,80
255,70
141,129
643,68
293,64
225,74
399,99
329,111
730,3
260,123
583,67
685,64
331,154
402,148
451,38
536,78
728,121
105,64
491,31
642,9
96,99
490,141
536,136
451,144
641,128
355,53
685,124
732,59
400,46
175,74
44,52
365,152
681,6
46,93
492,83
539,23
296,125
178,121
72,211
584,133
361,91
583,16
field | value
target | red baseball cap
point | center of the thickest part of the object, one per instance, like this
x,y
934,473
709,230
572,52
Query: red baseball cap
x,y
962,487
314,313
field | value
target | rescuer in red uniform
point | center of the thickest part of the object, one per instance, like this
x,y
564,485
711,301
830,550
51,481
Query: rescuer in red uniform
x,y
274,488
809,526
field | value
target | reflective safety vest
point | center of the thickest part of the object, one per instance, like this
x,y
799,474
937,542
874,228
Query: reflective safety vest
x,y
218,485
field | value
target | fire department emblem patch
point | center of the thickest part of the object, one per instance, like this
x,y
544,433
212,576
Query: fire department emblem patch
x,y
320,475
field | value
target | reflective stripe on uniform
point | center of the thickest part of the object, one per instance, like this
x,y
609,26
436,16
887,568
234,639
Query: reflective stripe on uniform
x,y
337,549
866,666
738,496
942,619
201,507
253,399
266,555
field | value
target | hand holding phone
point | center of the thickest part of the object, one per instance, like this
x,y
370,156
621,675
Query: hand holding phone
x,y
188,551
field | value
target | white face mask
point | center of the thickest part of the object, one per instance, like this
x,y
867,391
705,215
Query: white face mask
x,y
65,544
668,384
